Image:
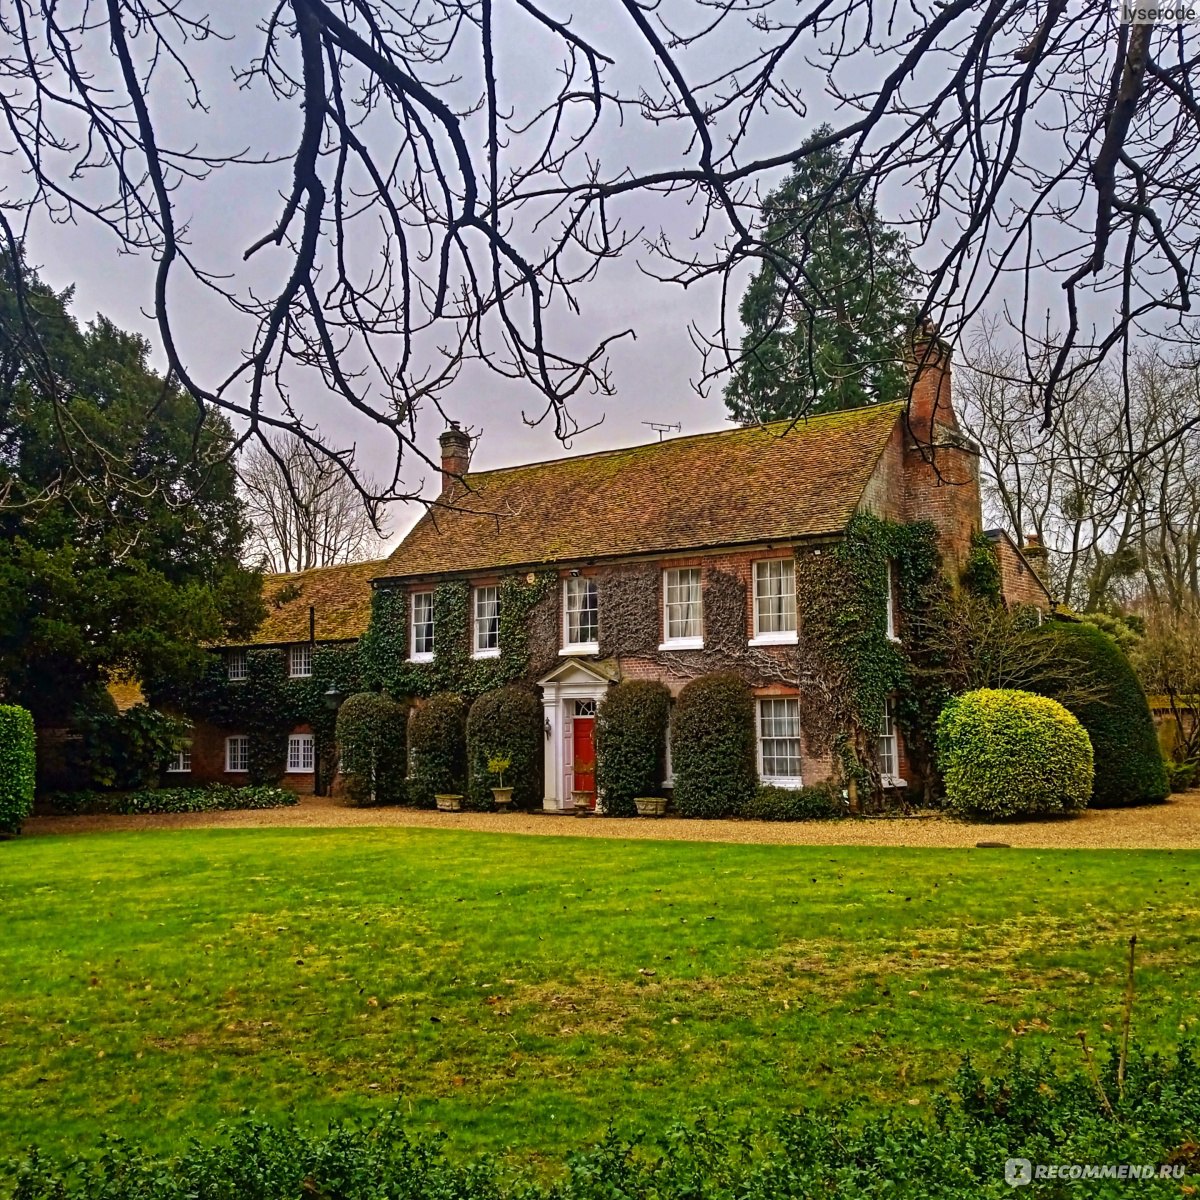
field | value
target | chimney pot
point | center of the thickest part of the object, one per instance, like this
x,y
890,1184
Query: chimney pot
x,y
456,455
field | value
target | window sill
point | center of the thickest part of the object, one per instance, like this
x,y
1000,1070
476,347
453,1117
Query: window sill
x,y
792,782
237,770
892,781
891,637
581,648
486,654
299,771
420,658
689,643
299,674
178,771
774,639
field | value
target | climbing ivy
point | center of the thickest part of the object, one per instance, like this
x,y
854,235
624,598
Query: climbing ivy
x,y
981,573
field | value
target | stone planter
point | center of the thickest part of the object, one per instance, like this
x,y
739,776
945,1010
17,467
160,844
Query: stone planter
x,y
582,803
503,797
651,806
449,803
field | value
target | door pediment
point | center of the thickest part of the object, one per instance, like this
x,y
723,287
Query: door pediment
x,y
574,671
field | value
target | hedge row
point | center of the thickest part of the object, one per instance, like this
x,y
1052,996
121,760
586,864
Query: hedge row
x,y
371,733
713,747
18,767
216,797
958,1151
631,729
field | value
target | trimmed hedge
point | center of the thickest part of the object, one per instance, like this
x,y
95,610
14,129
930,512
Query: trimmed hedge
x,y
712,746
18,766
1007,753
216,797
1129,763
505,723
631,728
818,803
371,734
437,749
954,1148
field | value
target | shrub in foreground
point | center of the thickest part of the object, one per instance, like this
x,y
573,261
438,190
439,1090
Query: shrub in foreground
x,y
1006,753
817,803
371,729
505,723
1128,758
18,766
217,797
437,749
954,1149
631,728
712,746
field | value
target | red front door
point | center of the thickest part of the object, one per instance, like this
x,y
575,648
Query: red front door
x,y
583,745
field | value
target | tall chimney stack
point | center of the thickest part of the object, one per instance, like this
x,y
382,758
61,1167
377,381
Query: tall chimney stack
x,y
931,405
456,455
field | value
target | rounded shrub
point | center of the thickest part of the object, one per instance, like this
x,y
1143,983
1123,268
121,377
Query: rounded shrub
x,y
712,746
18,767
505,724
371,733
437,749
631,728
1129,761
1007,753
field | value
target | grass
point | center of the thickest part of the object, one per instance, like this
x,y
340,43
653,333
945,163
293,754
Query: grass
x,y
524,991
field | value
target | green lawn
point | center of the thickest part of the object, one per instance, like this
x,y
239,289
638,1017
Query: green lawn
x,y
524,991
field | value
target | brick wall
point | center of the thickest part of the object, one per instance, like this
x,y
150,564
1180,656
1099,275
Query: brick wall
x,y
208,762
1019,583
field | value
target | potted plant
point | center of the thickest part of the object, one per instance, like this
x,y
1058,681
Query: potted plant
x,y
582,803
497,765
449,802
651,806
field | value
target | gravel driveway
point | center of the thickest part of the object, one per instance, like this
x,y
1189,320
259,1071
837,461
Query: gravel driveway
x,y
1171,826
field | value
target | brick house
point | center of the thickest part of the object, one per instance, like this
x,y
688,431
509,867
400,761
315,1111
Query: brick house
x,y
676,558
306,610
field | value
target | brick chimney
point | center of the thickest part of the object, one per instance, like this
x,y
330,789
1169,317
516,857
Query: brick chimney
x,y
931,406
456,455
1037,556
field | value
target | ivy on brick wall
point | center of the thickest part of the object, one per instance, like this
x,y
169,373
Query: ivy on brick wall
x,y
267,705
528,639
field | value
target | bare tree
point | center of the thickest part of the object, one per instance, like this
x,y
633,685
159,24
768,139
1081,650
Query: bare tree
x,y
440,208
303,511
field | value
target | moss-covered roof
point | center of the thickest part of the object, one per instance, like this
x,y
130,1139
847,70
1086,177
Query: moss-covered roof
x,y
730,488
126,693
340,597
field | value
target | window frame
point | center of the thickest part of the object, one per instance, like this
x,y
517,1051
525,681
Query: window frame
x,y
891,778
688,641
415,655
784,781
181,763
300,740
787,637
244,739
891,603
568,646
476,593
300,649
239,657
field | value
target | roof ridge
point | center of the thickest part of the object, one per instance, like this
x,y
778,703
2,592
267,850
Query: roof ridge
x,y
800,422
366,562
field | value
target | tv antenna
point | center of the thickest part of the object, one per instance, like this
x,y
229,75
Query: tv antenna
x,y
660,428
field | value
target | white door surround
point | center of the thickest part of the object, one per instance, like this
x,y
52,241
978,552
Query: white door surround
x,y
569,681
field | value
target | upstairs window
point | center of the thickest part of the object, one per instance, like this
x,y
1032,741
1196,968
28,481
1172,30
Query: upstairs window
x,y
237,753
487,622
300,660
422,627
683,611
300,753
779,741
775,600
582,615
891,603
235,665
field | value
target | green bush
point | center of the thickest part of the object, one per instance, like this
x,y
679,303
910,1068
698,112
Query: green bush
x,y
216,797
1181,776
953,1149
437,749
1129,762
18,767
1006,753
817,803
371,732
124,751
631,729
713,749
505,723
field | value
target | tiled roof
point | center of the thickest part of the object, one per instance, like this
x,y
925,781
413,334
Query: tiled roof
x,y
341,597
718,489
126,693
